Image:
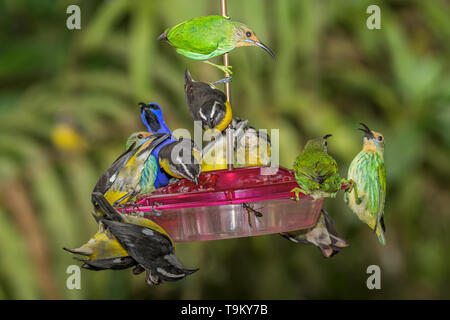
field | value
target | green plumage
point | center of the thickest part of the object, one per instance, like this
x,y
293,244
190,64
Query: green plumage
x,y
316,171
207,37
133,172
368,172
148,175
202,38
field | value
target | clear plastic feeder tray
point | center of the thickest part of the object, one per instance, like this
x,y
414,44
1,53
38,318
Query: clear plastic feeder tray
x,y
214,209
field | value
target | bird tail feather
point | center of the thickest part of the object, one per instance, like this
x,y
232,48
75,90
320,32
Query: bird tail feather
x,y
380,235
380,229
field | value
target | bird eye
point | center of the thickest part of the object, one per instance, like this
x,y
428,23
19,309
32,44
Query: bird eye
x,y
140,136
380,138
248,34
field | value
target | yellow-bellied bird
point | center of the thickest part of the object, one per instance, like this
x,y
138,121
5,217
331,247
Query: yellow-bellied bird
x,y
207,104
134,171
181,159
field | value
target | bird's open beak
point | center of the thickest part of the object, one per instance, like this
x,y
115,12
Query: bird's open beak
x,y
366,130
262,45
159,138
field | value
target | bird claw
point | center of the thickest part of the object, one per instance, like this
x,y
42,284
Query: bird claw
x,y
155,212
224,80
130,204
352,187
297,191
226,70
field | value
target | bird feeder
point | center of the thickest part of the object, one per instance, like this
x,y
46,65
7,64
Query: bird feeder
x,y
229,204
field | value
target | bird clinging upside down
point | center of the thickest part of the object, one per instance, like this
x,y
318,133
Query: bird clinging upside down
x,y
323,235
368,173
206,37
124,241
103,252
207,104
145,241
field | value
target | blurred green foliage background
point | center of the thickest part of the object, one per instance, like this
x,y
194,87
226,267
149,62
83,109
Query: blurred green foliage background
x,y
331,73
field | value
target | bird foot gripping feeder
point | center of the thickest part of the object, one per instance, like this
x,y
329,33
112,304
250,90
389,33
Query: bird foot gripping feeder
x,y
230,204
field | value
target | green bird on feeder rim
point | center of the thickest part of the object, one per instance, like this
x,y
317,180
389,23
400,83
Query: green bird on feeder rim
x,y
316,171
207,37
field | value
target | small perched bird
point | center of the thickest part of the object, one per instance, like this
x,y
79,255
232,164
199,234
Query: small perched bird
x,y
253,148
214,154
316,171
133,172
368,173
323,235
152,117
185,162
181,159
207,104
206,37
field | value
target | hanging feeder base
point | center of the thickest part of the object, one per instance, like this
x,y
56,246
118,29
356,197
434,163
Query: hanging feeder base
x,y
230,204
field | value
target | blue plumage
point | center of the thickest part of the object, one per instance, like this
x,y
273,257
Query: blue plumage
x,y
152,117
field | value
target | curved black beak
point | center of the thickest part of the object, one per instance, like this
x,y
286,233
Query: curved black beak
x,y
327,136
366,130
262,45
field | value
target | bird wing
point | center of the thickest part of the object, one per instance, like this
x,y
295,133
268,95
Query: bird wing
x,y
325,168
150,248
119,263
198,36
148,175
129,177
108,178
382,198
318,172
196,47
